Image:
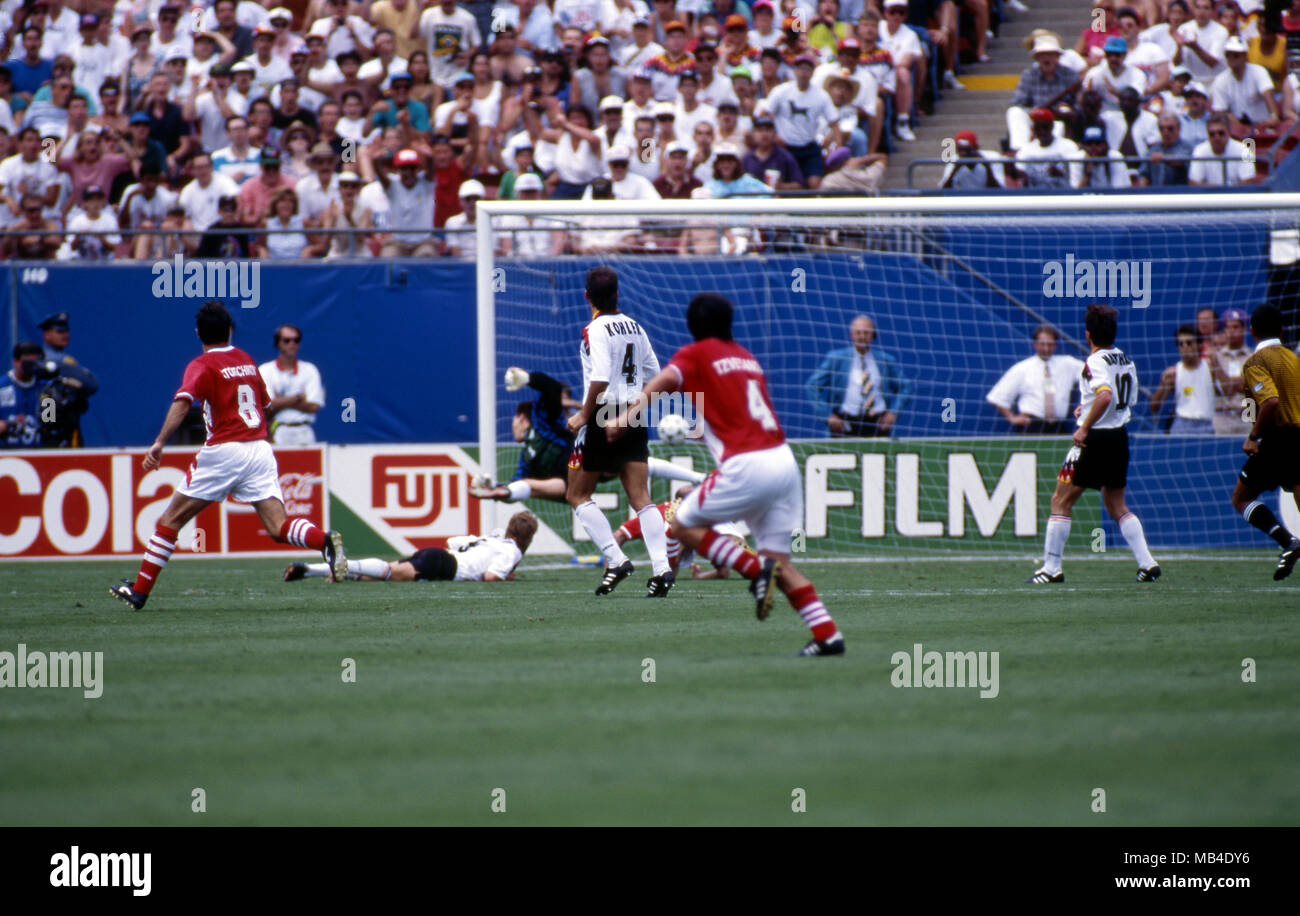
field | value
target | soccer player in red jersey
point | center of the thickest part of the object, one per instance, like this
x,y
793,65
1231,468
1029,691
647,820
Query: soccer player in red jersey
x,y
757,480
235,460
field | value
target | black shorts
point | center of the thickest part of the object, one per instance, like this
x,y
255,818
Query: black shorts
x,y
1102,463
432,564
1276,464
593,452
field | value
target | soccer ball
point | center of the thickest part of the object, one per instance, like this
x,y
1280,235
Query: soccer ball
x,y
673,429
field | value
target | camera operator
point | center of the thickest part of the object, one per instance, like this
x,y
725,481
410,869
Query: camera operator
x,y
20,399
69,388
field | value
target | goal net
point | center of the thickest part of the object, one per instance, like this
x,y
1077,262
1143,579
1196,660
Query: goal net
x,y
955,288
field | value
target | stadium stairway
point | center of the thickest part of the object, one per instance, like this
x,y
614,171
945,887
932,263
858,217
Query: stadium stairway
x,y
982,106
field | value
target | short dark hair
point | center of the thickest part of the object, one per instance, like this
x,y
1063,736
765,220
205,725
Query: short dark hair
x,y
602,288
1101,323
28,348
214,322
525,410
709,315
1266,322
275,339
1049,331
1188,328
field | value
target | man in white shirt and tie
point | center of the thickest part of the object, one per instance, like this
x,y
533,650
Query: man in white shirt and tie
x,y
1034,394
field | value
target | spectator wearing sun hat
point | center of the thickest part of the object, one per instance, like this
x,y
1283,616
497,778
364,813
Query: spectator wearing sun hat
x,y
460,241
1244,91
1045,84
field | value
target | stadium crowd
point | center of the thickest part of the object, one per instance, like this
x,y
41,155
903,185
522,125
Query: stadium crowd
x,y
1153,93
148,128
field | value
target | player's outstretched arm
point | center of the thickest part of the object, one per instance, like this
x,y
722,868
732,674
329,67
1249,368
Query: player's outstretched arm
x,y
175,416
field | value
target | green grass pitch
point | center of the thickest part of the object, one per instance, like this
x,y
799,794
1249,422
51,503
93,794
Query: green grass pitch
x,y
231,682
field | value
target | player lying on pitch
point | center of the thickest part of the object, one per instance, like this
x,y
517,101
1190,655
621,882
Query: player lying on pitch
x,y
236,460
540,427
630,530
757,480
470,559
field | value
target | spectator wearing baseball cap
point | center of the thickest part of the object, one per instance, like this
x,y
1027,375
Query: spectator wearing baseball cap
x,y
676,182
410,205
612,130
1099,175
665,68
598,80
972,170
638,52
796,108
1045,84
460,240
399,100
1113,74
1232,356
1042,162
1245,91
1102,25
626,185
737,48
768,161
1195,116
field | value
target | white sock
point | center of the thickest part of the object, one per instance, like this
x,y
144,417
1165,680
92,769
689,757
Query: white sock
x,y
1058,532
599,531
666,470
1131,528
655,535
317,570
904,120
373,567
519,491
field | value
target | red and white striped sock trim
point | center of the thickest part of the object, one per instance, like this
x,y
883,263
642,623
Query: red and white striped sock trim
x,y
301,533
724,552
159,549
813,613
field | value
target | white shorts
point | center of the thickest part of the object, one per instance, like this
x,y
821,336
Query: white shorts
x,y
245,470
762,489
294,435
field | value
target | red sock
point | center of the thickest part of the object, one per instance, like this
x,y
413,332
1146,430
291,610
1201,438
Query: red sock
x,y
726,552
156,554
301,533
810,608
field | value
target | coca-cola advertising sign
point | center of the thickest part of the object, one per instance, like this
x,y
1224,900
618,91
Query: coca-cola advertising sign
x,y
102,503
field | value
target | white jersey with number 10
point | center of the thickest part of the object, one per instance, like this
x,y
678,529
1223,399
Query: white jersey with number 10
x,y
1108,368
616,350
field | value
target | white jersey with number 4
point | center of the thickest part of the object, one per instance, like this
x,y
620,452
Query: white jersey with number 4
x,y
1108,369
478,556
615,349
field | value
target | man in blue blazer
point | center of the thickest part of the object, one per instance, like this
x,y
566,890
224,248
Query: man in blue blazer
x,y
859,390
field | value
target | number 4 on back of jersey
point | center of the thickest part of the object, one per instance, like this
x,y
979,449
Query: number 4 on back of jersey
x,y
758,408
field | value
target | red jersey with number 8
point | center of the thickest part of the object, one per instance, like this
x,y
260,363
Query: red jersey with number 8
x,y
226,381
738,414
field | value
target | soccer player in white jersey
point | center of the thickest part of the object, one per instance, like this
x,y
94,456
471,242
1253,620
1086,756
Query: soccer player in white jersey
x,y
617,361
467,559
1108,387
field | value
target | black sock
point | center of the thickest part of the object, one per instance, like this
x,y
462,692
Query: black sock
x,y
1262,517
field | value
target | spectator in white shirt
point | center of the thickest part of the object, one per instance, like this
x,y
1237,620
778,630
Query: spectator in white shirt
x,y
1195,115
801,112
1244,91
1234,166
410,203
1034,394
201,196
448,31
1200,42
1113,74
1111,173
642,47
460,240
343,32
1161,34
1040,160
627,185
269,69
690,111
1147,56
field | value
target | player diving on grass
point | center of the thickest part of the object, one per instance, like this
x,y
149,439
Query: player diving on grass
x,y
236,460
1108,389
617,359
540,426
1271,379
757,480
466,559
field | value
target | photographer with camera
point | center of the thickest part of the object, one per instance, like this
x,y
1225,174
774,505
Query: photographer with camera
x,y
68,386
20,404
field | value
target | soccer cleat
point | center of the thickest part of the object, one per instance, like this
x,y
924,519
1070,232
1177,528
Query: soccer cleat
x,y
1149,575
658,586
126,592
335,556
832,646
1286,561
761,587
613,577
1043,577
295,571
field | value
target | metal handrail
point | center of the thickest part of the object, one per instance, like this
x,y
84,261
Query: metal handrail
x,y
1067,160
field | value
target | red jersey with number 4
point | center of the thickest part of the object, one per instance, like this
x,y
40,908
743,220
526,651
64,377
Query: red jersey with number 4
x,y
738,414
226,381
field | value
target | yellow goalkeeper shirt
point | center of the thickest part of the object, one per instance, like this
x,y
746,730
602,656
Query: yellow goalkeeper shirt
x,y
1273,371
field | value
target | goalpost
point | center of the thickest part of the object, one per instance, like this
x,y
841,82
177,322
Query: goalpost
x,y
955,287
